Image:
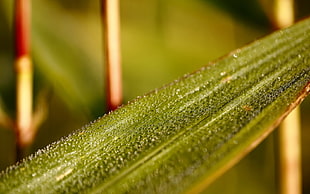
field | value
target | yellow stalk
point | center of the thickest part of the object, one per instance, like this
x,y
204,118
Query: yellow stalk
x,y
290,154
24,76
284,13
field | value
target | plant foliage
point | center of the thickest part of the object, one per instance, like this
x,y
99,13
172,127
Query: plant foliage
x,y
180,137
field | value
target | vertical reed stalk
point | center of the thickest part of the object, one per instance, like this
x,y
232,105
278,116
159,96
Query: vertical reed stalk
x,y
283,13
24,76
289,132
111,27
290,154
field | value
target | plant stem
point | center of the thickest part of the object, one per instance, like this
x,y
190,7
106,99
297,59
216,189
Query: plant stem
x,y
111,24
289,132
284,13
24,76
290,154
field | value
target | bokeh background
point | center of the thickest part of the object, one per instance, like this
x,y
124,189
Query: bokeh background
x,y
161,41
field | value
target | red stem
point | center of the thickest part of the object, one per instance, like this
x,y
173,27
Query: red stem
x,y
22,27
111,27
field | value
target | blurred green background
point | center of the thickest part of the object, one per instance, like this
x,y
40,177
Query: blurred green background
x,y
161,41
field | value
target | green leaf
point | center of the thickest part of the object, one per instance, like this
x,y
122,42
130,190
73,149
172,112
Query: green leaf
x,y
61,56
250,12
64,60
181,137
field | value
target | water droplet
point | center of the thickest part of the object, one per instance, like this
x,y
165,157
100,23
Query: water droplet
x,y
197,89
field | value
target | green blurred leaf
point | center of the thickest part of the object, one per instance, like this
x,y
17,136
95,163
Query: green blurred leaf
x,y
61,56
64,60
182,136
249,11
160,40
